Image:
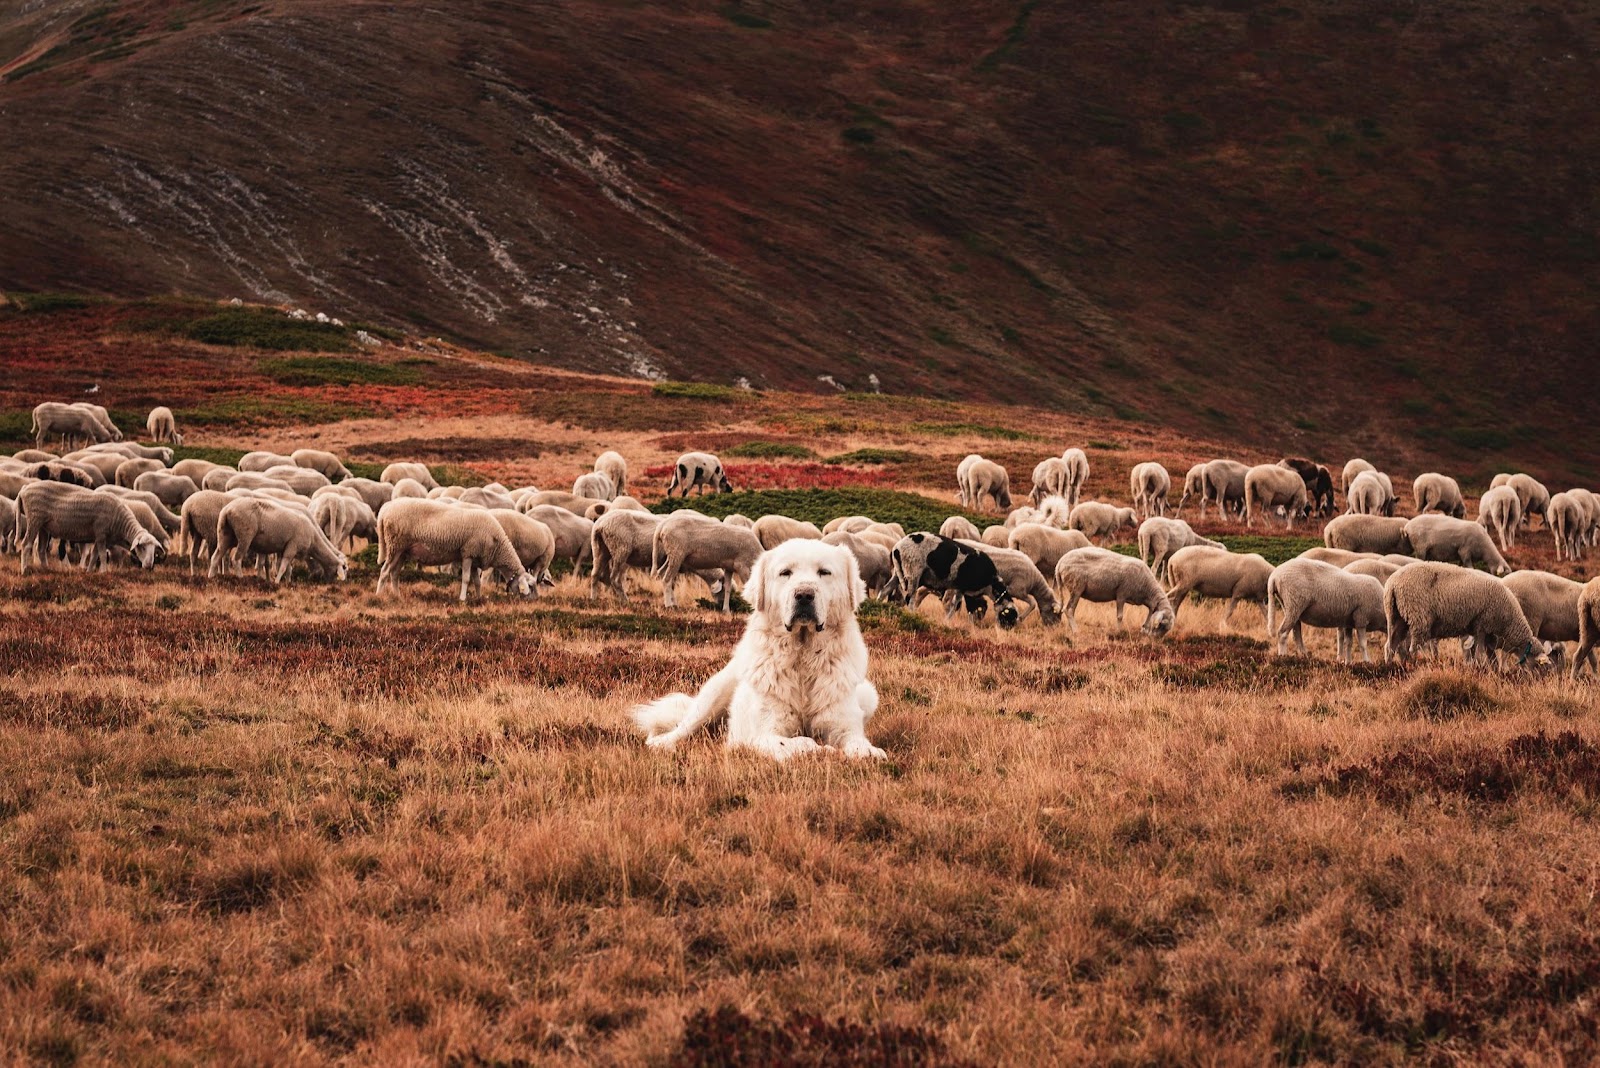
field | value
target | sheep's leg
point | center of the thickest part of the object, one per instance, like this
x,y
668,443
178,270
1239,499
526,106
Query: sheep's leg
x,y
466,576
1366,656
1121,604
1344,645
1300,638
1072,613
669,583
1227,617
285,562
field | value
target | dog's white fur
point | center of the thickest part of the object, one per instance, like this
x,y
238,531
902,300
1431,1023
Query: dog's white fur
x,y
796,684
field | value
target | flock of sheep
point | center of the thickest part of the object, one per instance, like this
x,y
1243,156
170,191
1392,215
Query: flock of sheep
x,y
1415,580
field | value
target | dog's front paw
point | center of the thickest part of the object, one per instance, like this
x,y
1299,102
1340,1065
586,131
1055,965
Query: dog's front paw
x,y
661,741
793,747
862,749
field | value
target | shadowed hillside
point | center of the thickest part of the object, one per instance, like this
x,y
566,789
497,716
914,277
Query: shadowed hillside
x,y
1300,224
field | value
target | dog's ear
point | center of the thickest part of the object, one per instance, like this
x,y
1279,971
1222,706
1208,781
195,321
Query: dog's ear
x,y
755,587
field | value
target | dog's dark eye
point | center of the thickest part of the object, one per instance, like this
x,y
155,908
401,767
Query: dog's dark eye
x,y
823,572
785,573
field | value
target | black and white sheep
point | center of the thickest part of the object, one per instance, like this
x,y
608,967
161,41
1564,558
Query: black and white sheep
x,y
698,471
927,561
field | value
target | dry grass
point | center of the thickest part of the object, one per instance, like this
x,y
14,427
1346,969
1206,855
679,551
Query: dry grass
x,y
313,824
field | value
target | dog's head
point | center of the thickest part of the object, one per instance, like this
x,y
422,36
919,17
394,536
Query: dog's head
x,y
804,584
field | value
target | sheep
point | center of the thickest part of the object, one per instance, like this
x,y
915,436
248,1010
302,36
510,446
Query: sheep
x,y
1434,492
985,478
8,525
452,492
1024,581
961,528
1077,462
1441,538
261,460
534,542
571,532
198,523
342,518
595,485
1272,487
774,530
484,497
255,480
1318,480
698,471
1568,522
1589,530
1588,627
1159,538
303,480
847,523
1194,485
163,425
620,541
432,534
942,565
1100,576
263,528
561,499
165,516
1052,512
217,478
101,416
11,483
1549,603
1367,534
1425,602
147,519
690,543
172,489
871,558
1225,486
1351,470
1149,484
888,530
997,535
408,489
735,519
1044,545
614,467
1316,594
78,516
33,456
626,503
376,494
64,421
129,470
104,464
67,471
1213,571
1379,569
1369,495
1050,479
1500,511
419,473
1531,494
324,463
962,470
1097,520
134,451
1025,514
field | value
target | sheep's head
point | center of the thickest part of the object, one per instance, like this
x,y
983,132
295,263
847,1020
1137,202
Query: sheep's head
x,y
146,550
521,584
1159,623
723,484
1005,611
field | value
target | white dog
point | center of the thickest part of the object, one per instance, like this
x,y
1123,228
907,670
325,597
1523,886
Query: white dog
x,y
797,682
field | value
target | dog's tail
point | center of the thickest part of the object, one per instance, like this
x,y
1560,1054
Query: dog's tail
x,y
662,715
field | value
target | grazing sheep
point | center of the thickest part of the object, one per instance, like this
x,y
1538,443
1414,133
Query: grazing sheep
x,y
1531,494
1159,538
1434,492
1567,519
102,417
998,535
1051,478
324,463
74,516
985,478
1426,602
1025,514
1318,480
129,470
1149,484
8,525
698,471
74,474
1097,519
1024,582
1194,485
1379,569
198,523
962,469
773,530
1101,576
848,523
263,528
1367,534
1077,462
395,473
1316,594
162,425
1370,494
595,485
376,494
165,516
408,489
1589,533
631,504
1225,487
255,480
104,464
133,450
1044,545
484,497
692,543
620,541
1336,557
734,519
34,456
1549,603
303,480
614,467
261,460
147,519
1351,471
342,518
432,534
942,565
1272,487
1052,512
561,499
11,483
1500,511
534,542
572,532
217,478
68,423
1213,571
872,559
172,488
961,528
1441,538
1588,627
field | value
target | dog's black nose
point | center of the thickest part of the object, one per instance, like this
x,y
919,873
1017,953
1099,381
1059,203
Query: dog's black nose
x,y
804,597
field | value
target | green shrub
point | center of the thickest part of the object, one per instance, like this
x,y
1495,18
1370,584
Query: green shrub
x,y
1444,695
878,616
695,391
770,450
911,510
362,469
1275,549
873,456
335,371
16,427
39,303
267,328
269,411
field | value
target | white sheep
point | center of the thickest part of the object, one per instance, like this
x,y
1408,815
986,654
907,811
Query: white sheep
x,y
1379,569
128,470
303,480
595,485
1351,470
1434,492
1149,483
1367,534
985,478
773,530
1370,494
1588,627
698,471
534,542
735,519
1531,494
1426,602
395,473
376,494
1044,545
560,498
620,541
1051,478
172,489
998,535
613,466
69,423
1225,486
1077,462
74,516
342,517
572,532
162,425
1337,557
961,478
167,518
266,528
433,534
1194,485
1316,594
872,558
217,478
323,462
1549,603
198,523
961,528
8,525
101,416
1567,519
1499,511
1441,538
261,460
689,543
1213,571
847,523
405,489
1160,537
1271,487
1101,576
1097,519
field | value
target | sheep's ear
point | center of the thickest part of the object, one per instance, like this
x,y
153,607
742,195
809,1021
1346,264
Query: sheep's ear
x,y
755,587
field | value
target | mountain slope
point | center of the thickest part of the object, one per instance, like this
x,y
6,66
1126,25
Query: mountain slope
x,y
1300,223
